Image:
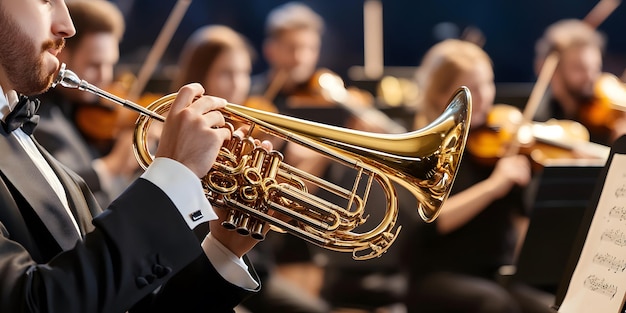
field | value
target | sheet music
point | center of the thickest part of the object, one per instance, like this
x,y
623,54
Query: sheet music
x,y
599,280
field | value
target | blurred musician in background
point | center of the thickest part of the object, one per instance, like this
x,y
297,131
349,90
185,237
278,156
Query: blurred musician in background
x,y
291,49
572,93
92,54
220,59
454,261
294,80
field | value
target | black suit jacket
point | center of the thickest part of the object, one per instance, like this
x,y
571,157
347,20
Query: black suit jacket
x,y
62,139
118,261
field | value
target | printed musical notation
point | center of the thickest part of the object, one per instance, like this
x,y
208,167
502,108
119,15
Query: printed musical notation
x,y
614,236
612,262
618,212
598,283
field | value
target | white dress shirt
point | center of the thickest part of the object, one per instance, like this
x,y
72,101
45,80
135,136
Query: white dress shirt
x,y
180,184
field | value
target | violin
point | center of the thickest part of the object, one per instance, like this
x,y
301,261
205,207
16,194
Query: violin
x,y
608,104
541,141
102,121
327,89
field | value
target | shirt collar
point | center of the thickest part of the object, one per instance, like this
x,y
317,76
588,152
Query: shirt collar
x,y
7,101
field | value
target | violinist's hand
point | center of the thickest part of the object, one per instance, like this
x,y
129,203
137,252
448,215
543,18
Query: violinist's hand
x,y
193,133
236,243
510,171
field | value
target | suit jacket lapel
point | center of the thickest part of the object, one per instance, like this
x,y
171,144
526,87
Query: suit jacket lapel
x,y
14,221
19,168
82,211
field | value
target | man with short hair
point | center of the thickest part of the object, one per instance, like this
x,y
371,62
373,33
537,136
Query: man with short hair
x,y
579,50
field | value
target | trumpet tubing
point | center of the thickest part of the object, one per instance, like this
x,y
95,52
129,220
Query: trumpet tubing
x,y
256,187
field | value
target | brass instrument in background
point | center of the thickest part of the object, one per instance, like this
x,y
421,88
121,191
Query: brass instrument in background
x,y
251,182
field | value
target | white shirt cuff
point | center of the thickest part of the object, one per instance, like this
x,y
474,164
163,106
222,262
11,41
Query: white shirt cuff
x,y
183,187
227,264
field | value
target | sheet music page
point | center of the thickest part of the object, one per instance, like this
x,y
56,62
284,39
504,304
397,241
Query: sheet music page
x,y
598,283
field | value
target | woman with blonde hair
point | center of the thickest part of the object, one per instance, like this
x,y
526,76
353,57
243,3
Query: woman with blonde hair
x,y
447,66
454,261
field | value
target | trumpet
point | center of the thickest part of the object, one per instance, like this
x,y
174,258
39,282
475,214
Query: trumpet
x,y
252,183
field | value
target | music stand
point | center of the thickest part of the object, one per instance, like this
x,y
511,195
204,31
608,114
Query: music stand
x,y
557,200
619,147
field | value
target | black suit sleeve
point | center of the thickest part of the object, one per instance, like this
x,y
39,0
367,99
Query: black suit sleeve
x,y
197,288
139,243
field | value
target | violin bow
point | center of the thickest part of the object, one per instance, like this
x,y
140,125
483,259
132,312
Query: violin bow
x,y
157,50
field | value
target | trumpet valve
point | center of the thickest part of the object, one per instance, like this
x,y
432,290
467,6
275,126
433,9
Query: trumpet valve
x,y
230,222
242,227
257,230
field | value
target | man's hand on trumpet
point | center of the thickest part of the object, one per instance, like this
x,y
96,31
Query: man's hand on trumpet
x,y
193,131
193,134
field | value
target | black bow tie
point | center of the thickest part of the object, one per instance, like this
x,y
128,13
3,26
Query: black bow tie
x,y
23,115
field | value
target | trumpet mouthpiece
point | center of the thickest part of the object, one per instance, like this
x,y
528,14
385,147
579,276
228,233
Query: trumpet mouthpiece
x,y
66,78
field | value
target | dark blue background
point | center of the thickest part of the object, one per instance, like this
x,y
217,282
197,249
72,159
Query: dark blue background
x,y
510,28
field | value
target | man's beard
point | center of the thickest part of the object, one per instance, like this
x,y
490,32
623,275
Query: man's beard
x,y
22,62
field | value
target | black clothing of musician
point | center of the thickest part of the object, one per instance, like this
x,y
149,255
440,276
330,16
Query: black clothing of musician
x,y
457,272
